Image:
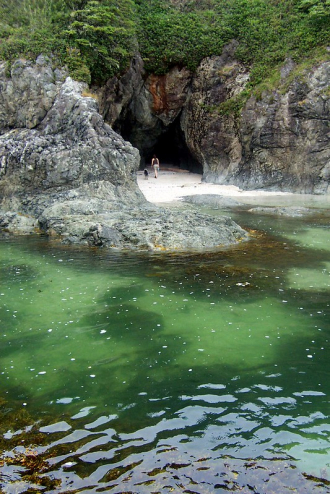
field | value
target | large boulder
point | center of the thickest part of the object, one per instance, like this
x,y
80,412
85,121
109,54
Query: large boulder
x,y
70,149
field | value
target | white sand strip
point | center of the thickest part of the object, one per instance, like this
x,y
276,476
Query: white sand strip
x,y
171,186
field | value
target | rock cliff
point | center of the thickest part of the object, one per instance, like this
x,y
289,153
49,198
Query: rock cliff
x,y
279,141
65,172
143,108
285,137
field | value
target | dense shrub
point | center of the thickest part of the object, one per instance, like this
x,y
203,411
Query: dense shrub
x,y
96,39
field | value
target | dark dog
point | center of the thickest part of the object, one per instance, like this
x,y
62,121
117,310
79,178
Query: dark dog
x,y
146,173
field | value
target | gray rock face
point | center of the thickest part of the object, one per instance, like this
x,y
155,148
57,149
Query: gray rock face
x,y
212,138
279,142
65,172
70,148
142,108
285,138
116,96
28,94
146,228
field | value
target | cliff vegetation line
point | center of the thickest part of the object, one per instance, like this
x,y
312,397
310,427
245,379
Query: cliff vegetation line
x,y
97,39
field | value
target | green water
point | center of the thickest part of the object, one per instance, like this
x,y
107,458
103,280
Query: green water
x,y
162,373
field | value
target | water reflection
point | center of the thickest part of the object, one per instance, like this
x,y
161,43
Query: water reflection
x,y
158,373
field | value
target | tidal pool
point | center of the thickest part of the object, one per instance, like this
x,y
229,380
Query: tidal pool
x,y
151,373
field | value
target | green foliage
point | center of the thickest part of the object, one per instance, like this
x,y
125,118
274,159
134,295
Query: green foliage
x,y
103,33
317,9
169,37
19,44
234,105
75,63
268,31
96,39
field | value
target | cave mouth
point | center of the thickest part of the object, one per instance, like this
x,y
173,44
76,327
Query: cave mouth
x,y
172,151
167,143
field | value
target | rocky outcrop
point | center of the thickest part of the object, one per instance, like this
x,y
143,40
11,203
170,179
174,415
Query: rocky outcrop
x,y
27,93
65,172
68,152
214,138
278,141
285,137
142,107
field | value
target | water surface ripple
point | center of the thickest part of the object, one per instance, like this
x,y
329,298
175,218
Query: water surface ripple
x,y
167,373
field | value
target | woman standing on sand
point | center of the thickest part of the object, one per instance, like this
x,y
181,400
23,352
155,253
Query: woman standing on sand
x,y
155,164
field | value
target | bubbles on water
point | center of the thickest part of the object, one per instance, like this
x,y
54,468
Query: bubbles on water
x,y
212,386
226,355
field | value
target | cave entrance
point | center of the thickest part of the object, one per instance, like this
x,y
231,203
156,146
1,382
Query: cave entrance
x,y
172,151
167,143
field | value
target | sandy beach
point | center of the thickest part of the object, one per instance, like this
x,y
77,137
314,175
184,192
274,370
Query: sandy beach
x,y
172,186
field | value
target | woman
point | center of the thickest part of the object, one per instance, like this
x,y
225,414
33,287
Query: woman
x,y
155,164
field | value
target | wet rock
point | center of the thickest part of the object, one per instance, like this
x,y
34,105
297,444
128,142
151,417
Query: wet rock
x,y
18,223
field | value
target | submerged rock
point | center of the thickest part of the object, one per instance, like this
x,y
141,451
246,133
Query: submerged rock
x,y
291,211
214,201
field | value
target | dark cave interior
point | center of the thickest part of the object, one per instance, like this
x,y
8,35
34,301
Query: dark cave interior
x,y
172,151
169,145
